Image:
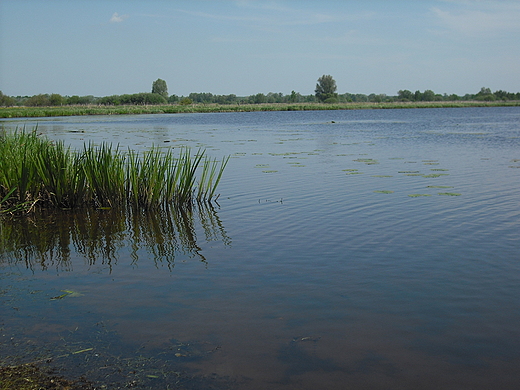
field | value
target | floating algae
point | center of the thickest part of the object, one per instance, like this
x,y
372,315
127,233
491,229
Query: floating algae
x,y
439,187
382,176
417,195
435,175
67,293
449,193
368,161
384,192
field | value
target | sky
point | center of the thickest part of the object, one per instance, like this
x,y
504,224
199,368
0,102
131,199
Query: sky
x,y
245,47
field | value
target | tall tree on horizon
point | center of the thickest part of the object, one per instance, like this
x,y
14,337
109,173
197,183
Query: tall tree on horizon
x,y
159,87
326,88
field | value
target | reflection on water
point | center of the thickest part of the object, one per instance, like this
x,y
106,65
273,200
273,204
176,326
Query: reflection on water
x,y
50,239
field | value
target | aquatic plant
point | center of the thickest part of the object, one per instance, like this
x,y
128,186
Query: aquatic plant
x,y
13,208
450,193
368,161
34,170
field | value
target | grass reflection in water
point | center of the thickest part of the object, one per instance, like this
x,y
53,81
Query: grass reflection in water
x,y
47,239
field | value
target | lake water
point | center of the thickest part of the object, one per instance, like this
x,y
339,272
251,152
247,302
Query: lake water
x,y
371,249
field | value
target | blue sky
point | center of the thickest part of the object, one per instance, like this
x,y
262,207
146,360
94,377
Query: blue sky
x,y
100,48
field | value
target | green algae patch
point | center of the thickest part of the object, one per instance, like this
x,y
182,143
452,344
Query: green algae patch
x,y
368,161
382,176
66,293
449,193
384,192
431,175
439,187
417,195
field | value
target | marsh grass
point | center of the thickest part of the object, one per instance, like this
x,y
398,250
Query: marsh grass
x,y
23,112
37,171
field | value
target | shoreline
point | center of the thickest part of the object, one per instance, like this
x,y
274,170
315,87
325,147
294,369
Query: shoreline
x,y
81,110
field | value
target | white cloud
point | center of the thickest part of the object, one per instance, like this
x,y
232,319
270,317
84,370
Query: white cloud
x,y
116,18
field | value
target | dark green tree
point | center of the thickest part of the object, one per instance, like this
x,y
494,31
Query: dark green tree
x,y
428,95
6,101
485,94
159,87
56,99
40,100
326,88
405,95
259,98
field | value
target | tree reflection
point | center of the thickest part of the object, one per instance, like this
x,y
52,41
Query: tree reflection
x,y
48,239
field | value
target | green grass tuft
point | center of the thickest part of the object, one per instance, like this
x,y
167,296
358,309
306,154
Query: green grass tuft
x,y
36,171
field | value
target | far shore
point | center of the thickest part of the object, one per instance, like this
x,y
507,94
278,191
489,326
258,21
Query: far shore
x,y
35,112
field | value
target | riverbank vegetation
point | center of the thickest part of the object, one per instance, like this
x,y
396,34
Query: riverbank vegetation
x,y
37,172
158,101
78,110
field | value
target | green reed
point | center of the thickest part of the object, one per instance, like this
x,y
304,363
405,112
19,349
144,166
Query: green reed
x,y
210,177
19,112
34,170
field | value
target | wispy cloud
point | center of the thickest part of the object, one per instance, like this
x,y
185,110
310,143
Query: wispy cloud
x,y
116,18
278,14
271,14
477,18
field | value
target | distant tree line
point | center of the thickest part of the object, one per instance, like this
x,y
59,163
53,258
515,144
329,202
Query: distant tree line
x,y
325,92
484,94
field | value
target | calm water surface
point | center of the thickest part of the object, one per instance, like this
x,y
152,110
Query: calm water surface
x,y
349,249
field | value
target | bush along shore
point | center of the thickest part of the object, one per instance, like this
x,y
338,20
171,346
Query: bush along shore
x,y
33,112
37,172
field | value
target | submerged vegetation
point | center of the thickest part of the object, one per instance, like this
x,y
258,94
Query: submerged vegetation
x,y
37,172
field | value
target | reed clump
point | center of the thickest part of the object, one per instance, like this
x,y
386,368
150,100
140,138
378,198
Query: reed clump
x,y
38,172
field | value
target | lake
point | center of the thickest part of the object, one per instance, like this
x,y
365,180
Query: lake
x,y
371,249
